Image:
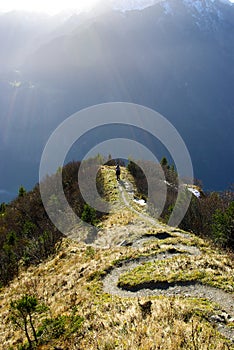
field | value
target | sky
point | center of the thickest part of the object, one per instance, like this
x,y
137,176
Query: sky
x,y
49,6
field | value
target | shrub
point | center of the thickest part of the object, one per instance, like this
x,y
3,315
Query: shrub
x,y
89,215
54,328
223,226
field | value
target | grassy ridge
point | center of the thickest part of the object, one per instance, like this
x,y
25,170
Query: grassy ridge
x,y
80,315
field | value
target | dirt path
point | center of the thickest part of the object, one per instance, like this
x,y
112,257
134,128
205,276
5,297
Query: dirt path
x,y
188,289
124,186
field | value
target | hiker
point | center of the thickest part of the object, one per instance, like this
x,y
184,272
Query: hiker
x,y
117,171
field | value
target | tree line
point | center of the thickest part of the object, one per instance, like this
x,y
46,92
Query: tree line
x,y
211,215
27,235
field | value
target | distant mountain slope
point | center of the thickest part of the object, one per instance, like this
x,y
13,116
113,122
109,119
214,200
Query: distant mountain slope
x,y
175,56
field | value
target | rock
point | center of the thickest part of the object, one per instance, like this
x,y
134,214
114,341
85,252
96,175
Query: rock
x,y
145,308
221,318
216,319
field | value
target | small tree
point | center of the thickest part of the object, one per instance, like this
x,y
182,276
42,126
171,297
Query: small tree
x,y
89,215
22,192
22,316
164,162
223,226
2,208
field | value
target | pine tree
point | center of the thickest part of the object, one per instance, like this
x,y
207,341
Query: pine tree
x,y
164,162
22,313
22,191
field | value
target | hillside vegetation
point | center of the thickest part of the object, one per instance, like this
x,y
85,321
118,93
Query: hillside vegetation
x,y
27,236
138,284
210,216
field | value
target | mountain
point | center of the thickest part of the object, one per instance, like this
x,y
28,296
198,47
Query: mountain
x,y
173,56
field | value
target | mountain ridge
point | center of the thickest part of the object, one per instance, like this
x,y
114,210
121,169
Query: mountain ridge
x,y
172,64
189,295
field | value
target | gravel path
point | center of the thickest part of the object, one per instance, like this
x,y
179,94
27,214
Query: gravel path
x,y
188,289
124,185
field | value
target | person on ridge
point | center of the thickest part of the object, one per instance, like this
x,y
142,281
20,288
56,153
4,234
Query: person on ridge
x,y
117,171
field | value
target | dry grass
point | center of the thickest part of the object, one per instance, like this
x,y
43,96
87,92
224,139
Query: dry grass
x,y
72,280
120,218
109,184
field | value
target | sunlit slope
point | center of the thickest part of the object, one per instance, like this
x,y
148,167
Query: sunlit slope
x,y
139,285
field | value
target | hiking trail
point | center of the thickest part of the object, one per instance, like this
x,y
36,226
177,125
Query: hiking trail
x,y
136,235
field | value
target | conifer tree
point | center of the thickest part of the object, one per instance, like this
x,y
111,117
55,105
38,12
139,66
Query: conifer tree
x,y
22,191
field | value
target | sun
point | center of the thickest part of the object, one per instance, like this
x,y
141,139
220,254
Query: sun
x,y
47,6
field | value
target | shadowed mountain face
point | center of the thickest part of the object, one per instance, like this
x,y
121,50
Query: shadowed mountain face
x,y
175,57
